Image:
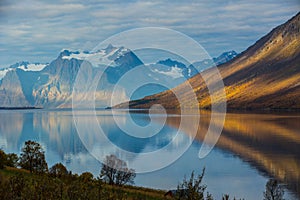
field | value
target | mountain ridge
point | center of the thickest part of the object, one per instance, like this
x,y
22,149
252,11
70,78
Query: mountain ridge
x,y
50,85
265,76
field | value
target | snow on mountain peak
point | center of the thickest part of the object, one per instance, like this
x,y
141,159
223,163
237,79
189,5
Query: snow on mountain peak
x,y
25,66
3,72
33,67
105,56
174,72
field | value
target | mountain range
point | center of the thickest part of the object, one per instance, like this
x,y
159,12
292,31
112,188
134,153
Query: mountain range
x,y
50,85
264,76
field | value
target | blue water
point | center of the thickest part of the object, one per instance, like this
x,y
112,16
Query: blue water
x,y
238,165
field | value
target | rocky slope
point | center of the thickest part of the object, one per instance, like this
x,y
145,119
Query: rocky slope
x,y
265,76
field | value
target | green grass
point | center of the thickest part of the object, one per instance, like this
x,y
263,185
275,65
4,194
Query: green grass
x,y
90,188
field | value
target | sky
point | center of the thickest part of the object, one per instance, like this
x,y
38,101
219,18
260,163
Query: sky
x,y
37,30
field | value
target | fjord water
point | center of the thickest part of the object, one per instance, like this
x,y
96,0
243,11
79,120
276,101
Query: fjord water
x,y
252,147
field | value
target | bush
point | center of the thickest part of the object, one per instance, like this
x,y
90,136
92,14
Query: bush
x,y
192,188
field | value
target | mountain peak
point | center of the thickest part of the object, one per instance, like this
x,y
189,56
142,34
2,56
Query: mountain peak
x,y
67,52
232,52
171,63
22,65
225,57
26,66
109,48
18,64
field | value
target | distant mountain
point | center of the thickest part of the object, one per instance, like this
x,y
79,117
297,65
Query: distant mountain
x,y
207,63
25,66
225,57
168,73
265,76
51,85
180,68
13,91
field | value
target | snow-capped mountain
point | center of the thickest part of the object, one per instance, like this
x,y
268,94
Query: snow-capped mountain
x,y
207,63
225,57
51,85
177,69
108,56
25,66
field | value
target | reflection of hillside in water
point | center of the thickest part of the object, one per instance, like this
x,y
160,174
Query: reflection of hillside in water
x,y
9,134
269,142
59,130
54,130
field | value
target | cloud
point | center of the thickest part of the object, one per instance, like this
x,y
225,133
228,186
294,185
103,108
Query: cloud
x,y
46,27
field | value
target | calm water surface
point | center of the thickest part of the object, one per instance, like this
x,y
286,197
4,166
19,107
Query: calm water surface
x,y
251,149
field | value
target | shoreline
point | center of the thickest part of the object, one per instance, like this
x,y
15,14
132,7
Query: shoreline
x,y
19,108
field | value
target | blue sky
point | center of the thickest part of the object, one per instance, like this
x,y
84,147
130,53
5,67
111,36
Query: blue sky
x,y
37,31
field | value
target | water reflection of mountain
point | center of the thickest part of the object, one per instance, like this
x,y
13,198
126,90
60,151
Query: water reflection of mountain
x,y
9,134
60,132
54,130
57,133
270,143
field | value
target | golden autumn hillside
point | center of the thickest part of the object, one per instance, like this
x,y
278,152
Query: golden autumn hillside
x,y
265,76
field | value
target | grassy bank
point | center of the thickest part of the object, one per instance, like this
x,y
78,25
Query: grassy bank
x,y
21,184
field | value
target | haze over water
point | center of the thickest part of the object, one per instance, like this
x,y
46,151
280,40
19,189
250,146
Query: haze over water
x,y
251,149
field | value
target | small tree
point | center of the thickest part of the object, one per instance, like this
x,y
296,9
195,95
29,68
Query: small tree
x,y
274,191
115,171
192,188
58,170
32,157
